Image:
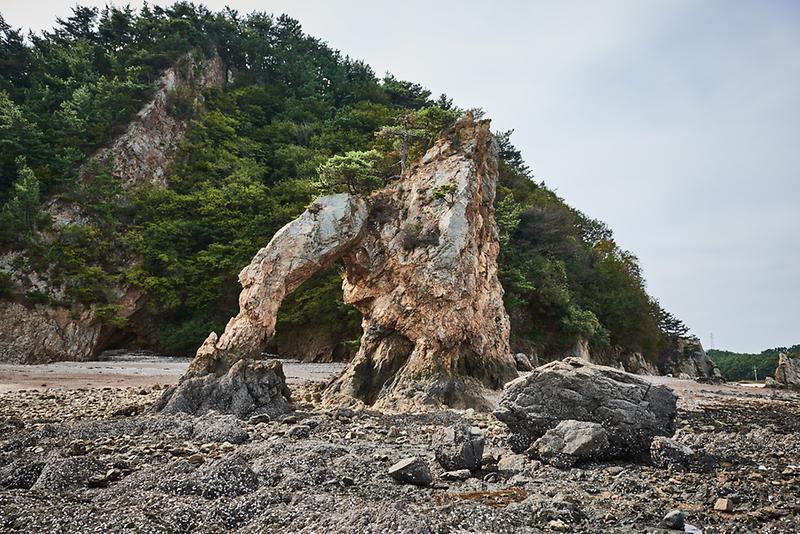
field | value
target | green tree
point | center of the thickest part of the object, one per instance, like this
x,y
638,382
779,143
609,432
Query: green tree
x,y
20,214
353,172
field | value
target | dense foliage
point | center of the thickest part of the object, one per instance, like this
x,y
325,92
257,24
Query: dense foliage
x,y
298,120
740,365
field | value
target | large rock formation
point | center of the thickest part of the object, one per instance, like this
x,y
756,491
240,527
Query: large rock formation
x,y
420,267
631,410
40,333
788,371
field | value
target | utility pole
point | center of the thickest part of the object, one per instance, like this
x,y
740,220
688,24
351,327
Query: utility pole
x,y
755,373
711,341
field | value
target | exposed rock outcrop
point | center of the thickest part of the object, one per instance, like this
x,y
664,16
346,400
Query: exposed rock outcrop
x,y
686,358
787,373
43,333
421,269
632,411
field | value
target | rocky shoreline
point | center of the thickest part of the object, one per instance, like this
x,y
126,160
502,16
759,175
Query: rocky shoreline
x,y
94,460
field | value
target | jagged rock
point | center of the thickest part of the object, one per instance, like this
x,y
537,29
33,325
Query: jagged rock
x,y
632,411
421,269
522,362
788,371
571,442
457,447
411,471
247,388
666,451
459,474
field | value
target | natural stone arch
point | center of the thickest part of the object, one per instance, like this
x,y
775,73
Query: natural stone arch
x,y
420,267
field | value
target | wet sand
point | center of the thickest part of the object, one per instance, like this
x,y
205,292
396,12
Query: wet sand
x,y
141,372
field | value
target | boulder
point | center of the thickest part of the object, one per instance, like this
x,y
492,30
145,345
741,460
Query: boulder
x,y
411,471
458,447
631,410
571,442
522,362
248,388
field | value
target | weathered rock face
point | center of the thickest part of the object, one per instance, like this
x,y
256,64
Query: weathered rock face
x,y
687,359
788,371
142,152
422,271
425,279
41,333
632,411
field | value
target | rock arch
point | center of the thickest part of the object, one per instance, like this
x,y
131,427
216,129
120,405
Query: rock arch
x,y
420,267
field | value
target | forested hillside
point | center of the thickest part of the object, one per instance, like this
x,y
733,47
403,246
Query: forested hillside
x,y
739,365
293,115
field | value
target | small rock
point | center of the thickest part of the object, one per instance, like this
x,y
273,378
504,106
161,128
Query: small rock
x,y
299,431
459,447
76,448
196,459
113,475
344,413
289,420
723,505
411,471
459,474
558,525
260,418
512,463
674,520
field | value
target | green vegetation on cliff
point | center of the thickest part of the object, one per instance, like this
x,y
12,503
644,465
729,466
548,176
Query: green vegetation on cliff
x,y
298,120
739,365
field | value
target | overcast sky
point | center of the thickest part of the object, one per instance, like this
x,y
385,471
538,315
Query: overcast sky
x,y
676,122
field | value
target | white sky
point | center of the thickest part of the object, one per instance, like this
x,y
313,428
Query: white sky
x,y
677,122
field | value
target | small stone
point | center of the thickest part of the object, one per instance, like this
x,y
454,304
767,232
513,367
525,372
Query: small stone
x,y
289,420
723,505
411,471
113,475
459,474
393,433
558,525
260,418
196,459
665,452
347,481
299,431
674,520
344,413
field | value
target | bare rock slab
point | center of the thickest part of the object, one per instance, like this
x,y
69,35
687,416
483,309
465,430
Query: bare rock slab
x,y
632,411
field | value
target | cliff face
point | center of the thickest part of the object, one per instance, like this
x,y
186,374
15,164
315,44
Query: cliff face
x,y
39,333
420,260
